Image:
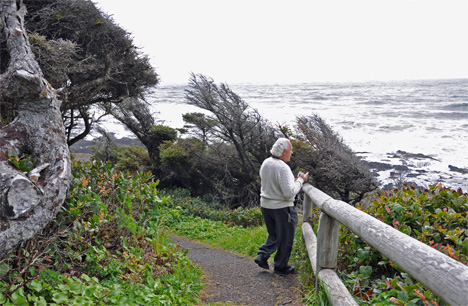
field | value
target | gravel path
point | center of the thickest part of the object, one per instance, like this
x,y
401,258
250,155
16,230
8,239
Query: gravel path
x,y
238,280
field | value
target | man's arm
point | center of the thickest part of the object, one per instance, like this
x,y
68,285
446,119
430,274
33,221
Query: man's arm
x,y
289,185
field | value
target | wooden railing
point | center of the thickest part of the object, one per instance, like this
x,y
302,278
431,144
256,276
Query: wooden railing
x,y
444,276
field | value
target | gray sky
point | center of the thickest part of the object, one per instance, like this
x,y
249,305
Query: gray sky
x,y
268,41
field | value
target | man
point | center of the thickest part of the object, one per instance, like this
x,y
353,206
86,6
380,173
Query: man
x,y
278,189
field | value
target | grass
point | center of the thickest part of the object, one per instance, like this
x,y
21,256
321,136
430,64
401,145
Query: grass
x,y
215,233
244,241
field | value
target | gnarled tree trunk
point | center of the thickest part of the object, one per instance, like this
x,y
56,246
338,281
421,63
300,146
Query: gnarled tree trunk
x,y
28,201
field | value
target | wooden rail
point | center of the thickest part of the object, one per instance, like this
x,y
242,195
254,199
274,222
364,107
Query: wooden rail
x,y
444,276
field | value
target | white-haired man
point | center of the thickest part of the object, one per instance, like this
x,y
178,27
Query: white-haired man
x,y
279,187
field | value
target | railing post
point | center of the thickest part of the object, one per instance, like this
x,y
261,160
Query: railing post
x,y
327,243
308,206
308,234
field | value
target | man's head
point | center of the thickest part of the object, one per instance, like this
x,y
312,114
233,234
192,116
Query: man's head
x,y
282,149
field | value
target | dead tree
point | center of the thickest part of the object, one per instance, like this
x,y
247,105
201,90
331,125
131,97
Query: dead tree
x,y
29,199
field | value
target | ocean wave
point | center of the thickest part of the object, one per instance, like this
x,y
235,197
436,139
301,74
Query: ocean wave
x,y
457,106
451,115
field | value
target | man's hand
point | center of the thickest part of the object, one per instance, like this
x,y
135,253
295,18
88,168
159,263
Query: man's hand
x,y
304,176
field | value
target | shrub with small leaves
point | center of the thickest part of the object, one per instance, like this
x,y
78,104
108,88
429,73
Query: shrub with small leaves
x,y
104,248
437,216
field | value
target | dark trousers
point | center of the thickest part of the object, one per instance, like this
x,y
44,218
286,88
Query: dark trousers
x,y
281,226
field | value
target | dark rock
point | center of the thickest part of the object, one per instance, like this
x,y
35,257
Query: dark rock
x,y
401,168
379,166
406,155
459,170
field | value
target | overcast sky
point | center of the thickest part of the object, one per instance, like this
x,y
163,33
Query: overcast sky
x,y
268,41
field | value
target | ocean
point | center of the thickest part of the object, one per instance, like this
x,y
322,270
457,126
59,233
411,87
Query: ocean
x,y
419,127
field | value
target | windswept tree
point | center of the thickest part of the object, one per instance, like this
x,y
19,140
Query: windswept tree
x,y
34,158
90,59
231,140
137,117
239,140
201,124
333,166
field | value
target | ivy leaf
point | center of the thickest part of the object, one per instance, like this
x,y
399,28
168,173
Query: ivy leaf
x,y
3,299
19,299
59,297
397,208
4,270
403,295
35,285
366,271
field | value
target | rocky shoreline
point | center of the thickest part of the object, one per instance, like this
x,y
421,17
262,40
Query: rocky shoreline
x,y
412,168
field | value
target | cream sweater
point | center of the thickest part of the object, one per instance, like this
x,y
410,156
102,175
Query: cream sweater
x,y
278,184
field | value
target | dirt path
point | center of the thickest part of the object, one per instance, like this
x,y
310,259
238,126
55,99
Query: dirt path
x,y
238,280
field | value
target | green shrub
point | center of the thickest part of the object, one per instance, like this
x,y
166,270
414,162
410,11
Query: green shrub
x,y
124,158
133,158
181,166
100,250
197,207
437,216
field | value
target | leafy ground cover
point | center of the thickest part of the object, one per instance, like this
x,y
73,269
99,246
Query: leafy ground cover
x,y
100,249
436,216
109,245
195,206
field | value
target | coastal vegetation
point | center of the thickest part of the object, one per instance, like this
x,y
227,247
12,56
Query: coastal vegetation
x,y
436,216
89,67
107,246
110,245
219,152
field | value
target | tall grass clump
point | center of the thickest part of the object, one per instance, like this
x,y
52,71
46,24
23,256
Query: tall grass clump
x,y
100,250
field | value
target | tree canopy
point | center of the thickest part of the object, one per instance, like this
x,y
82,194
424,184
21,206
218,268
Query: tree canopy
x,y
89,59
60,62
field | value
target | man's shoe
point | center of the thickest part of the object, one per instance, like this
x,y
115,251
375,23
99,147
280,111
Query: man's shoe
x,y
261,261
285,271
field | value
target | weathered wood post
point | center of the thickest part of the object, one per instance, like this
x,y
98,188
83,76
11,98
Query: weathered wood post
x,y
308,234
308,206
327,245
323,251
327,242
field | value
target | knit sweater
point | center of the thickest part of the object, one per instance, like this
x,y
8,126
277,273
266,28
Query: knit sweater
x,y
278,184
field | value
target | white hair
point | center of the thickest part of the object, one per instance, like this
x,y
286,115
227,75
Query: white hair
x,y
280,145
